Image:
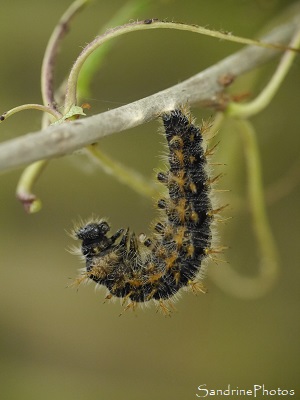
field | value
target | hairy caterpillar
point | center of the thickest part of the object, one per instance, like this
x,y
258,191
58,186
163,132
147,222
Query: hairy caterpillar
x,y
140,270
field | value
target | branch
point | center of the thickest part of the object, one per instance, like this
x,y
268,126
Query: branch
x,y
205,89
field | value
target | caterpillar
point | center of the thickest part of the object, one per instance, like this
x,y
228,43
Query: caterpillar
x,y
142,269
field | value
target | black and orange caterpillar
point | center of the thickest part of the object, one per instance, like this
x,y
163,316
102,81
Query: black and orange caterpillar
x,y
142,269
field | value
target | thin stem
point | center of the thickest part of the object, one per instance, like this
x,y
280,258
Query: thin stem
x,y
265,97
24,107
125,175
49,60
71,98
256,198
27,180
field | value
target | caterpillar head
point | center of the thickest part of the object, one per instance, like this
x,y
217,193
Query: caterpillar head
x,y
93,232
95,241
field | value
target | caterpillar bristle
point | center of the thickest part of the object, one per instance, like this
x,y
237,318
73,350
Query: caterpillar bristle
x,y
140,270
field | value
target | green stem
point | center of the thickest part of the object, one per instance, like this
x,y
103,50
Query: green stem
x,y
24,107
49,59
265,97
124,174
27,180
256,196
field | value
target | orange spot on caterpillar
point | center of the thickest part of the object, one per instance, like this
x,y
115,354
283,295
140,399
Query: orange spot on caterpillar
x,y
178,179
141,269
179,236
170,261
154,277
193,187
180,209
194,216
190,250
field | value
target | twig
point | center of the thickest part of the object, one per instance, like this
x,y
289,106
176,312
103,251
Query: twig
x,y
51,51
205,89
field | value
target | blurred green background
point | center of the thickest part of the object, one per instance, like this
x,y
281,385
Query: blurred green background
x,y
60,343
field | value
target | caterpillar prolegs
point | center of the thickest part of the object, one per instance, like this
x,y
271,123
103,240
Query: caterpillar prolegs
x,y
140,269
